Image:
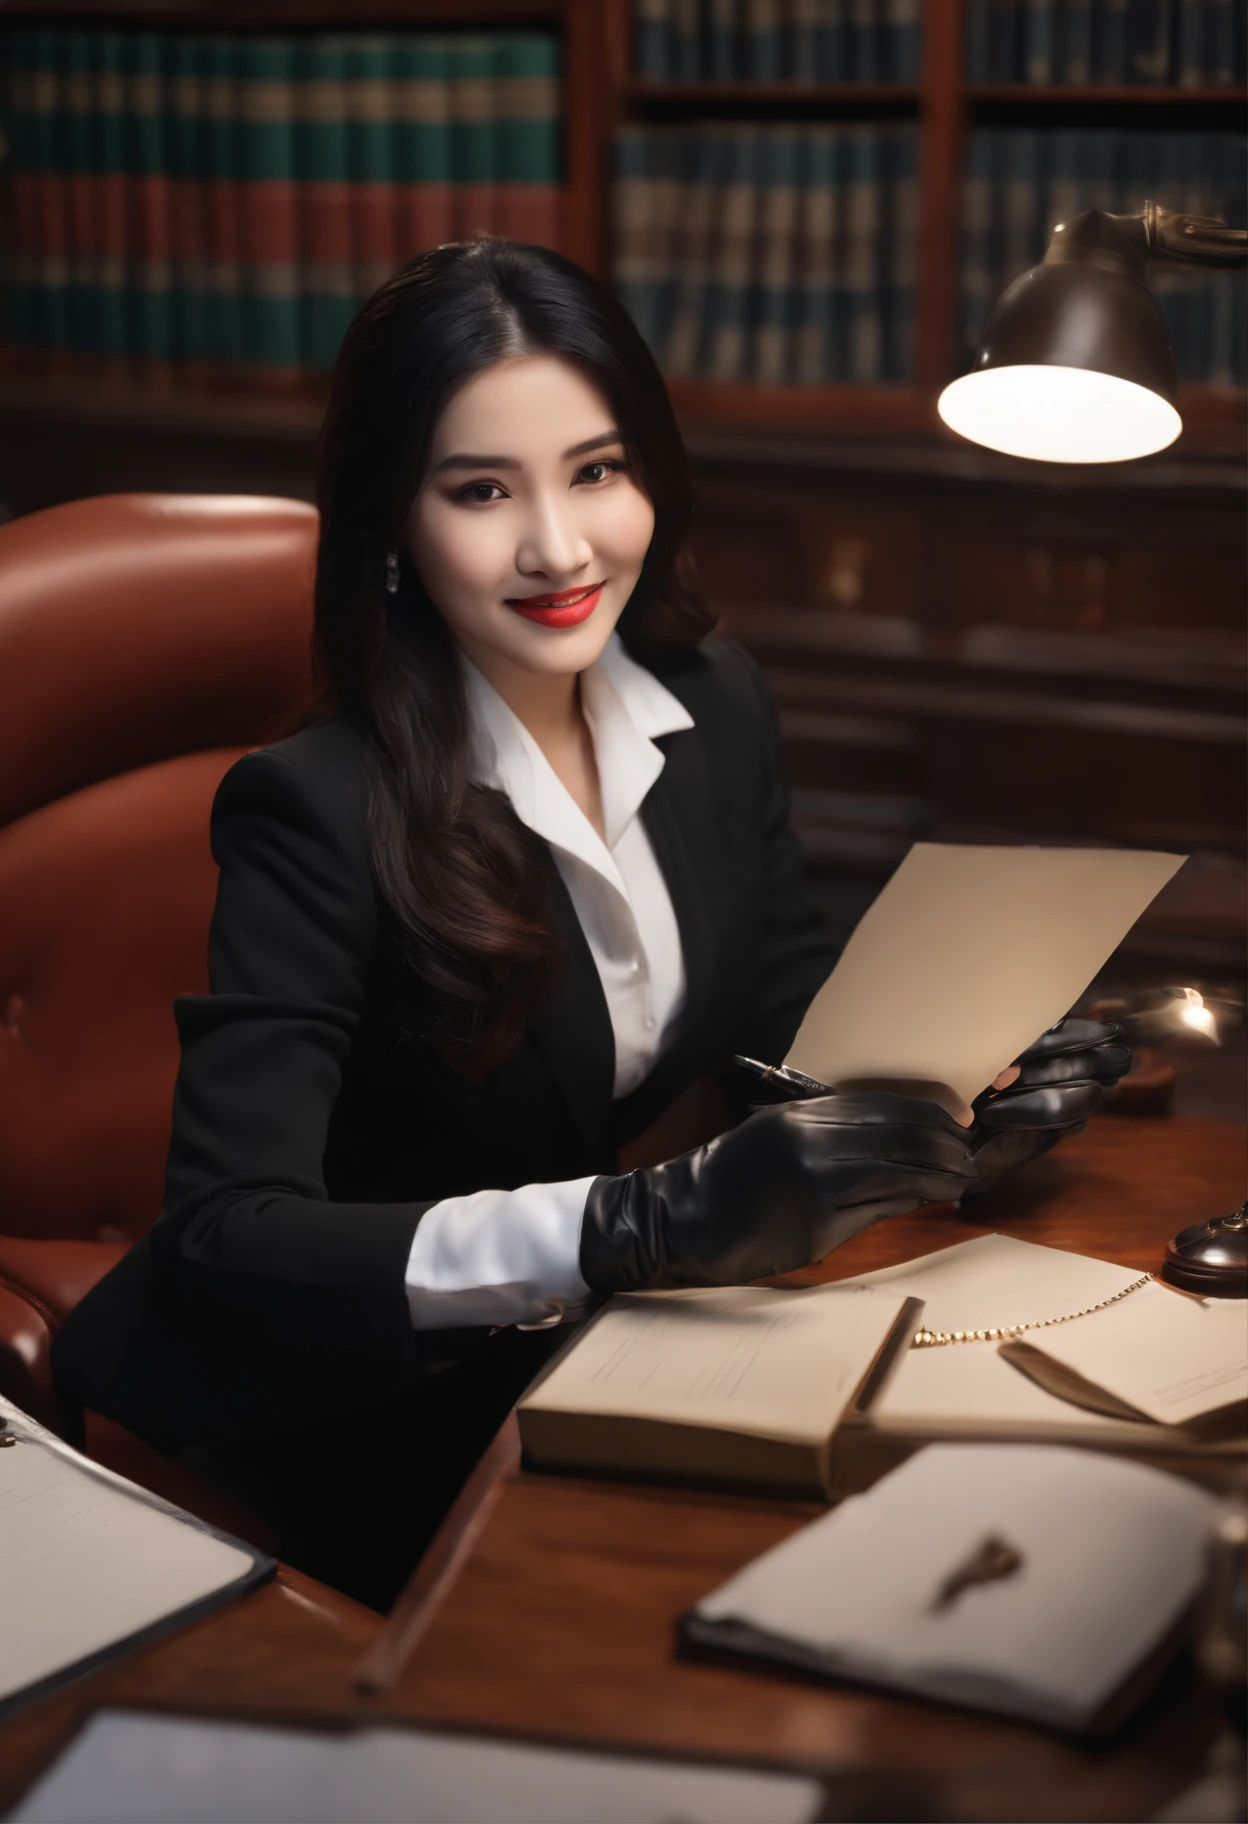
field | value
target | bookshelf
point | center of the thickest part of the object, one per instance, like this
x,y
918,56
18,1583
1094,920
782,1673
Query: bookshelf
x,y
601,93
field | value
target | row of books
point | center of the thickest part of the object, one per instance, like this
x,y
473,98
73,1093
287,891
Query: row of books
x,y
1188,43
1021,183
228,202
778,40
774,255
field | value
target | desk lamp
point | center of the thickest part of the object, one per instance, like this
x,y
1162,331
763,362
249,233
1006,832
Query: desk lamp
x,y
1074,364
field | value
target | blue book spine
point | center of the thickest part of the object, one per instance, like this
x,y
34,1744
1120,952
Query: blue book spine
x,y
762,50
976,61
1190,53
1074,53
1109,41
817,262
653,33
1038,42
862,255
722,47
1221,40
862,49
831,29
1148,42
980,277
899,246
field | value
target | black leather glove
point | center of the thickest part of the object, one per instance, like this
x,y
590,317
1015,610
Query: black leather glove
x,y
1062,1080
782,1190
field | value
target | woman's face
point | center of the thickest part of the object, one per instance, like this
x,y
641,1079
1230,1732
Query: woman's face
x,y
528,531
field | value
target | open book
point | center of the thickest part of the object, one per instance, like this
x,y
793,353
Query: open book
x,y
977,1391
1033,1580
743,1384
91,1564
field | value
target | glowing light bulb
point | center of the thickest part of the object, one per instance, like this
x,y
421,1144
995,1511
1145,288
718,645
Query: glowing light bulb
x,y
1059,414
1195,1014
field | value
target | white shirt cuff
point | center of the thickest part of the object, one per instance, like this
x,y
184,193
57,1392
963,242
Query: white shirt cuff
x,y
499,1257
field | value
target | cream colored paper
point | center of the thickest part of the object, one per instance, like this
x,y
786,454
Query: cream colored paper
x,y
987,1283
1171,1358
967,956
752,1359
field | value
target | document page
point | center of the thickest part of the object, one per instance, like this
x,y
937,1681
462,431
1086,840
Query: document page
x,y
133,1769
967,956
86,1560
1106,1554
753,1359
988,1283
1171,1357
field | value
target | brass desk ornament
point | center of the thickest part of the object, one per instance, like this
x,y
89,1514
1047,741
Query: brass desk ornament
x,y
1211,1257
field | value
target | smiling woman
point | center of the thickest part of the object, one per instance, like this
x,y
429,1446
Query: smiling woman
x,y
524,879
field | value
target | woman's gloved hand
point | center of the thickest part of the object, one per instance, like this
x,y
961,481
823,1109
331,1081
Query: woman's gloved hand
x,y
1061,1080
782,1190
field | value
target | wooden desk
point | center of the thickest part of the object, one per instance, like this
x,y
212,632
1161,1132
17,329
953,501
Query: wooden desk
x,y
560,1623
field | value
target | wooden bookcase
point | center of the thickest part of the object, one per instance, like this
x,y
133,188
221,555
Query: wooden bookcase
x,y
601,93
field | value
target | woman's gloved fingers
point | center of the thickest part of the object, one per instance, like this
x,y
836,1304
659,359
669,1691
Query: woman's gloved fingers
x,y
1048,1105
1070,1035
1104,1063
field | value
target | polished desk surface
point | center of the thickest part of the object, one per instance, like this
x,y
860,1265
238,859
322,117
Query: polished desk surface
x,y
560,1623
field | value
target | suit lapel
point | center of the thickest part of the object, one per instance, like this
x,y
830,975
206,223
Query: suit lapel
x,y
679,816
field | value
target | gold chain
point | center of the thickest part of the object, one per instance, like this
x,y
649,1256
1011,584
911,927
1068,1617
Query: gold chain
x,y
934,1339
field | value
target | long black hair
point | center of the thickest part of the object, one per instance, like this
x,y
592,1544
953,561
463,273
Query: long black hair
x,y
462,877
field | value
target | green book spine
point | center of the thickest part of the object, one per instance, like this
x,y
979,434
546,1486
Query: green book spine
x,y
267,206
324,167
474,149
150,334
423,145
222,201
51,192
188,165
374,207
527,144
23,289
115,230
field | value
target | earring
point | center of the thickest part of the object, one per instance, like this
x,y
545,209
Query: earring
x,y
392,573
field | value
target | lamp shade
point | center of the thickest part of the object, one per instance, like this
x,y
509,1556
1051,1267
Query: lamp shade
x,y
1074,364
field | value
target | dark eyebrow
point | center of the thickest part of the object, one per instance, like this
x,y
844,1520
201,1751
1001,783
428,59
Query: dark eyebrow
x,y
601,442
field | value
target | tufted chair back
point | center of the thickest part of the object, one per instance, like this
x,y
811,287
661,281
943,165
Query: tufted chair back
x,y
145,642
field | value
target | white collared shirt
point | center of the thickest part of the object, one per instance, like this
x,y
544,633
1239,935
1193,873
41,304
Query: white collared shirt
x,y
505,1257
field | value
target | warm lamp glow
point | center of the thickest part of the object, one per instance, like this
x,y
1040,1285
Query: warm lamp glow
x,y
1059,414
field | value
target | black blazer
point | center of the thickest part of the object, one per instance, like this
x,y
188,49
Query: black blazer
x,y
311,1131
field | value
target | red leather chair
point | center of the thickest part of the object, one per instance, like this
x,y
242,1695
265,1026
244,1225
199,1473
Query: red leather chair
x,y
146,641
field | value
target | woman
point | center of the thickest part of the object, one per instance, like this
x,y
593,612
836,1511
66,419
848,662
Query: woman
x,y
478,925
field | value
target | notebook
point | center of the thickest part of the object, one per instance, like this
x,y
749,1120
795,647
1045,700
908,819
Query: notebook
x,y
967,955
736,1384
91,1564
976,1391
126,1768
1032,1580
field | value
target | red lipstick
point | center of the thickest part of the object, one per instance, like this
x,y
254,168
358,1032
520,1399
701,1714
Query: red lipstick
x,y
568,608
